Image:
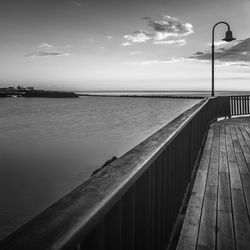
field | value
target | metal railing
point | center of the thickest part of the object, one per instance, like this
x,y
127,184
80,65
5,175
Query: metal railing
x,y
239,105
132,203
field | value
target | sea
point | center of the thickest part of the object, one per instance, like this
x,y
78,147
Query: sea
x,y
50,146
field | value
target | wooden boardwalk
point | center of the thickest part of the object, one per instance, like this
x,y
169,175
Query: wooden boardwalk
x,y
218,212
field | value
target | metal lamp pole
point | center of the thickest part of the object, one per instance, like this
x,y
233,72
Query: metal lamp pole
x,y
228,38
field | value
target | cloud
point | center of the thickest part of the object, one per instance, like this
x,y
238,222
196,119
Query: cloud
x,y
46,54
139,36
161,61
160,30
45,45
126,44
218,43
168,26
109,37
180,42
236,53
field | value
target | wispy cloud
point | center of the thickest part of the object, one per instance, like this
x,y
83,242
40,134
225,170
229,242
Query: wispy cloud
x,y
109,37
45,45
235,53
138,36
161,61
218,43
180,42
160,30
126,44
46,54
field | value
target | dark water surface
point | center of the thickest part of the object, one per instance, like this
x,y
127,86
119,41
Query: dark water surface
x,y
50,146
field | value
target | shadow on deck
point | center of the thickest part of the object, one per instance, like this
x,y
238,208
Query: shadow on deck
x,y
218,211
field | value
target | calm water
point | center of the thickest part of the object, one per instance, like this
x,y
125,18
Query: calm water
x,y
50,146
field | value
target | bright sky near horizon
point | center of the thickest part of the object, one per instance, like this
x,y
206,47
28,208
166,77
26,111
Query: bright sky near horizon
x,y
123,45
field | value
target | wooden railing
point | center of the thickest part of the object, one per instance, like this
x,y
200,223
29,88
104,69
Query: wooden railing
x,y
239,105
134,202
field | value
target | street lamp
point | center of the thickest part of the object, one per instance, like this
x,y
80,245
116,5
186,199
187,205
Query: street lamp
x,y
228,38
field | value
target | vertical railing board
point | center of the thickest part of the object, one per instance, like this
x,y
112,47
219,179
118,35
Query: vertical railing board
x,y
128,215
239,105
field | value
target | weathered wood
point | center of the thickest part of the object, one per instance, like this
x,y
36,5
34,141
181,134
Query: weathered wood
x,y
246,186
224,220
224,195
229,145
207,232
190,227
225,231
242,227
223,164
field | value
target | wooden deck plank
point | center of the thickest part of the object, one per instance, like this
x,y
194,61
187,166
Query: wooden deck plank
x,y
215,144
246,142
219,207
225,228
229,145
242,227
225,232
223,164
240,216
243,169
243,138
207,232
246,186
209,139
192,219
189,232
247,128
235,141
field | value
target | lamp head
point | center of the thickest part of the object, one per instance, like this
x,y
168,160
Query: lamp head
x,y
229,36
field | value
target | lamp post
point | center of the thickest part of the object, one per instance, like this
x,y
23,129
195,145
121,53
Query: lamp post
x,y
228,38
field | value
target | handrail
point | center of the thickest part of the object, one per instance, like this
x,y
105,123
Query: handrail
x,y
131,193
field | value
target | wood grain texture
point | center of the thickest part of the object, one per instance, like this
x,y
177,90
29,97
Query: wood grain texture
x,y
225,207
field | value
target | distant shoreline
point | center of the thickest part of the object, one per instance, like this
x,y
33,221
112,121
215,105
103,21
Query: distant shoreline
x,y
39,94
145,96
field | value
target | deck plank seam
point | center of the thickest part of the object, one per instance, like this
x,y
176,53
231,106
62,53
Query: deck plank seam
x,y
231,195
203,199
217,191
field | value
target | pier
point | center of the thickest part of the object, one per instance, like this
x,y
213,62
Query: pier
x,y
217,216
189,182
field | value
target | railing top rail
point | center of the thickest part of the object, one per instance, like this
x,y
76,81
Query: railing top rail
x,y
82,208
239,96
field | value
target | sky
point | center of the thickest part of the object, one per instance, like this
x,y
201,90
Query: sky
x,y
90,45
